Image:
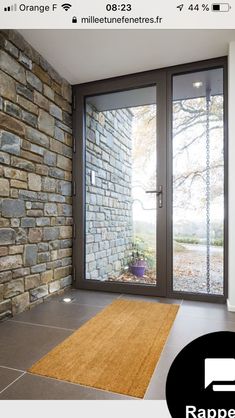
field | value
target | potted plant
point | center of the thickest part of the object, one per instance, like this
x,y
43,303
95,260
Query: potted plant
x,y
137,264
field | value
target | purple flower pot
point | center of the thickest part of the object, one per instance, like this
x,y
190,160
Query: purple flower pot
x,y
138,270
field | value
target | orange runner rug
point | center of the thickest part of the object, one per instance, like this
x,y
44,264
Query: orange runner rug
x,y
117,350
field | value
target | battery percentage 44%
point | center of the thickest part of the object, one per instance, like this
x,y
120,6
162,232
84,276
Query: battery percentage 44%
x,y
195,7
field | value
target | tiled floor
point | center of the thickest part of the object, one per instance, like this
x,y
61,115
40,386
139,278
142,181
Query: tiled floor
x,y
30,335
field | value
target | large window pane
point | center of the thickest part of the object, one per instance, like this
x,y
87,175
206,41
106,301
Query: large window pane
x,y
198,182
120,168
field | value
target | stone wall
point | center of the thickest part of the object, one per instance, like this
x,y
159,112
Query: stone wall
x,y
35,177
108,201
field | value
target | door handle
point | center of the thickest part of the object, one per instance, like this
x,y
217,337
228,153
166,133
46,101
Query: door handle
x,y
159,193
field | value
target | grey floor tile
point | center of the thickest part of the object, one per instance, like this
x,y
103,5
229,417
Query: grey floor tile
x,y
62,315
7,376
30,335
22,345
37,387
187,328
193,320
156,388
170,351
213,311
89,297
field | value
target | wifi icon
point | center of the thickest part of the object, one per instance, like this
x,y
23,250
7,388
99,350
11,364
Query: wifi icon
x,y
66,6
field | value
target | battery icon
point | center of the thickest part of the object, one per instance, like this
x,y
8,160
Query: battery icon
x,y
221,7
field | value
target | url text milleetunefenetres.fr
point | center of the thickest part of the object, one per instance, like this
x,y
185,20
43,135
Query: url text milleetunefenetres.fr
x,y
123,19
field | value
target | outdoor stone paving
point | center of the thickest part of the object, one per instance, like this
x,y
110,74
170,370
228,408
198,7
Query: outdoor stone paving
x,y
189,272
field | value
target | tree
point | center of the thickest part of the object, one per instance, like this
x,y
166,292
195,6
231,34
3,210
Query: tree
x,y
189,141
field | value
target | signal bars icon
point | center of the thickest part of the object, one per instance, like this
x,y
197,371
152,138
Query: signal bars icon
x,y
11,8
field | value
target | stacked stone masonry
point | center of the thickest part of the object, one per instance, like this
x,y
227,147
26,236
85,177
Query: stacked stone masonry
x,y
35,177
109,229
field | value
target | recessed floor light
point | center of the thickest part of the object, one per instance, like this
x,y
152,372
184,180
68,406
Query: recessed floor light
x,y
67,300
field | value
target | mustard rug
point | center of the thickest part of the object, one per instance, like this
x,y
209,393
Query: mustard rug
x,y
116,351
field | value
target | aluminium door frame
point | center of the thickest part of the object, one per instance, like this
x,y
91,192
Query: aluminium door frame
x,y
80,92
164,136
184,69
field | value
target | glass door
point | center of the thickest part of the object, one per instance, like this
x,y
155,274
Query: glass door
x,y
124,197
150,209
198,183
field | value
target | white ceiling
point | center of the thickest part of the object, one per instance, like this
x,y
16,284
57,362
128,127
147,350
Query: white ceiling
x,y
87,55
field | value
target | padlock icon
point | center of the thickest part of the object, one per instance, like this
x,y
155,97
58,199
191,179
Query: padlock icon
x,y
74,19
